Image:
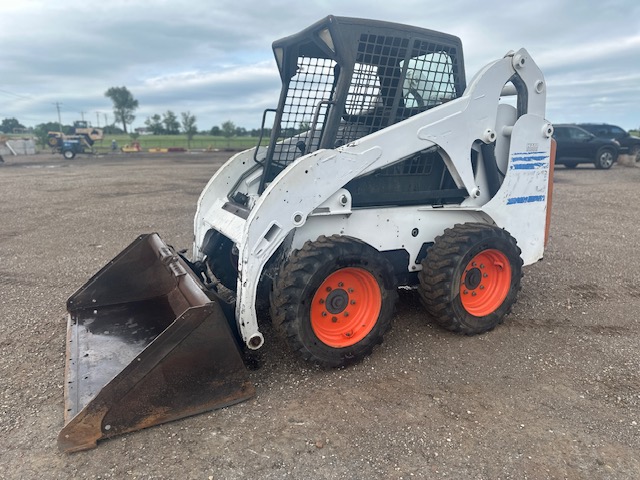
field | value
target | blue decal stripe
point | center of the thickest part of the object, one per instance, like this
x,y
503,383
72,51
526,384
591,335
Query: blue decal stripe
x,y
531,158
530,153
529,166
529,199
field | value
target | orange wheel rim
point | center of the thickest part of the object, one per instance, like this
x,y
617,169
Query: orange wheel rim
x,y
345,308
485,282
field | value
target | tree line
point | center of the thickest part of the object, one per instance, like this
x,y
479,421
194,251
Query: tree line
x,y
167,123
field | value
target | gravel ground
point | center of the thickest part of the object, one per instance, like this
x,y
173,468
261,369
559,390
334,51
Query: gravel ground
x,y
552,393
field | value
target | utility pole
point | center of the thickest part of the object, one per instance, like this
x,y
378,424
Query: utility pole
x,y
98,119
105,120
57,104
82,115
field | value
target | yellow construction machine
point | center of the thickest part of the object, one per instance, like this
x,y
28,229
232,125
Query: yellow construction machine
x,y
80,141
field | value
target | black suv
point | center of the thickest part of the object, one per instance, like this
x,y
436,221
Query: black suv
x,y
576,145
628,143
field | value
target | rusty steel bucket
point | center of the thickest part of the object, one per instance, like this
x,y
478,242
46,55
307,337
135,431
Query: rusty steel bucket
x,y
146,344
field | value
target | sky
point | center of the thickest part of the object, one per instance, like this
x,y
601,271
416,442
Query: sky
x,y
214,59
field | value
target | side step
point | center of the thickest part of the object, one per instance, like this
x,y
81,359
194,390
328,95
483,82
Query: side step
x,y
146,345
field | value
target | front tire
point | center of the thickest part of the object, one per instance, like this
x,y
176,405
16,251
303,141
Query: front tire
x,y
605,158
471,277
333,300
69,154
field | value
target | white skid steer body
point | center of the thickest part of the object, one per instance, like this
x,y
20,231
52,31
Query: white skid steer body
x,y
308,198
383,169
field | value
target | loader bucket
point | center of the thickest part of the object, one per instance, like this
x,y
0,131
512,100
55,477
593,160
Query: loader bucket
x,y
146,345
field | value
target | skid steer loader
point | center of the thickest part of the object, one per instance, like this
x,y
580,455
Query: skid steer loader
x,y
384,168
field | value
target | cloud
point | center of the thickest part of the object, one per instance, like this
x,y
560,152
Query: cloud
x,y
215,58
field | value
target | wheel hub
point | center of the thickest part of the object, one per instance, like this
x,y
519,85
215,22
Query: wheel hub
x,y
337,301
473,278
345,307
485,282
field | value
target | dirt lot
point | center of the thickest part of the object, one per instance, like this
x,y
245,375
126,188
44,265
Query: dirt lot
x,y
552,393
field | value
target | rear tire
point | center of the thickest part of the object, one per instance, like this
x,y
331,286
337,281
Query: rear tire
x,y
470,278
605,158
570,165
333,300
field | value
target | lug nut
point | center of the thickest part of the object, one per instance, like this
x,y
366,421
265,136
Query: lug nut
x,y
324,314
346,314
321,301
473,294
334,319
465,292
353,302
340,284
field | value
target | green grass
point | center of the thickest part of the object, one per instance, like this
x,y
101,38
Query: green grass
x,y
199,142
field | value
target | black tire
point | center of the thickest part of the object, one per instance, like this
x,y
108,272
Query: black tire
x,y
570,165
605,158
333,327
68,154
53,141
455,267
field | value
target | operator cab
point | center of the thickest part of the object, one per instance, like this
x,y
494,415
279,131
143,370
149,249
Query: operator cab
x,y
345,78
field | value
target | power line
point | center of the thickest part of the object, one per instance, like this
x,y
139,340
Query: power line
x,y
14,94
